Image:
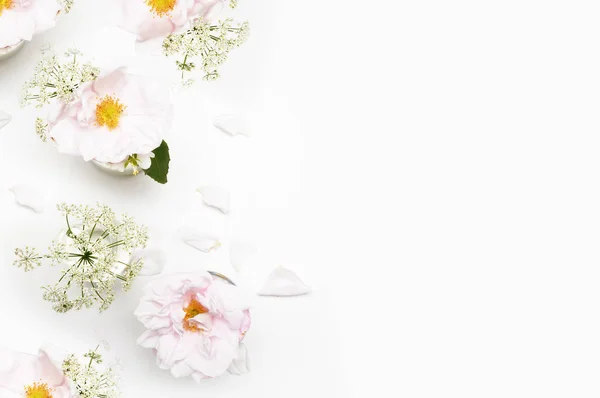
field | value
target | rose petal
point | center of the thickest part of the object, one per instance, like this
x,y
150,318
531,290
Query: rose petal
x,y
5,118
28,196
231,124
240,251
199,240
283,282
215,197
241,364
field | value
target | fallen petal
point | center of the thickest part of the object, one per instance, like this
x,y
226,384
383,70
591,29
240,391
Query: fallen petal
x,y
199,240
283,282
5,118
215,197
240,251
28,196
154,260
241,364
231,124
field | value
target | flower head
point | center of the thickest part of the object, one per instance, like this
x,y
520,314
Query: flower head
x,y
157,18
90,379
21,20
34,376
211,42
116,116
91,252
194,322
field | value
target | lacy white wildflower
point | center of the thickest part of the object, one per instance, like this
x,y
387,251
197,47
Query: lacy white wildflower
x,y
211,42
55,80
92,252
91,380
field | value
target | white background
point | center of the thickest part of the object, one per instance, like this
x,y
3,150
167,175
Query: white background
x,y
430,167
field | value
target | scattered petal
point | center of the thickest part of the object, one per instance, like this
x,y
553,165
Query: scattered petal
x,y
199,240
215,197
154,260
28,196
5,118
241,364
231,124
240,251
283,282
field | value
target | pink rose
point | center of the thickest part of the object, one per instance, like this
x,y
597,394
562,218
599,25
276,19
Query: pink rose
x,y
28,375
158,18
114,117
195,323
21,19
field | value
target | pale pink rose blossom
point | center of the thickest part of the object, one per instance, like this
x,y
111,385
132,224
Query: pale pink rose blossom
x,y
38,373
149,19
24,18
114,117
195,323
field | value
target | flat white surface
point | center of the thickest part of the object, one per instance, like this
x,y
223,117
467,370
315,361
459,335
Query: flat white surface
x,y
431,165
294,344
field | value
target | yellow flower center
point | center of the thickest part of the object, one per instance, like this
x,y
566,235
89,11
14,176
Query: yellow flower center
x,y
160,7
194,308
38,390
108,112
5,5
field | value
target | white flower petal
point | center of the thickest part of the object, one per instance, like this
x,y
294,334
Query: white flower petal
x,y
215,197
28,196
199,240
283,282
5,118
231,124
241,364
154,260
240,250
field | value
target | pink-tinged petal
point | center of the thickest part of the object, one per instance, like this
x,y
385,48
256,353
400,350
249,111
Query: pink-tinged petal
x,y
25,19
52,373
181,369
21,371
28,369
148,339
151,29
207,9
110,84
64,134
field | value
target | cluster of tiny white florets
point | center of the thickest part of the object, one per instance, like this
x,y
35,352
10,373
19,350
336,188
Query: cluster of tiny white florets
x,y
233,3
211,42
89,378
95,237
53,80
41,129
66,5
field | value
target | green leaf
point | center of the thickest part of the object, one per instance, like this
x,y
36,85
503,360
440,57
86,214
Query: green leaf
x,y
159,168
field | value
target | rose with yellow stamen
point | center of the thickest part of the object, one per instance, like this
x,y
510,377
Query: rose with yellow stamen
x,y
21,20
195,323
33,376
149,19
117,119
